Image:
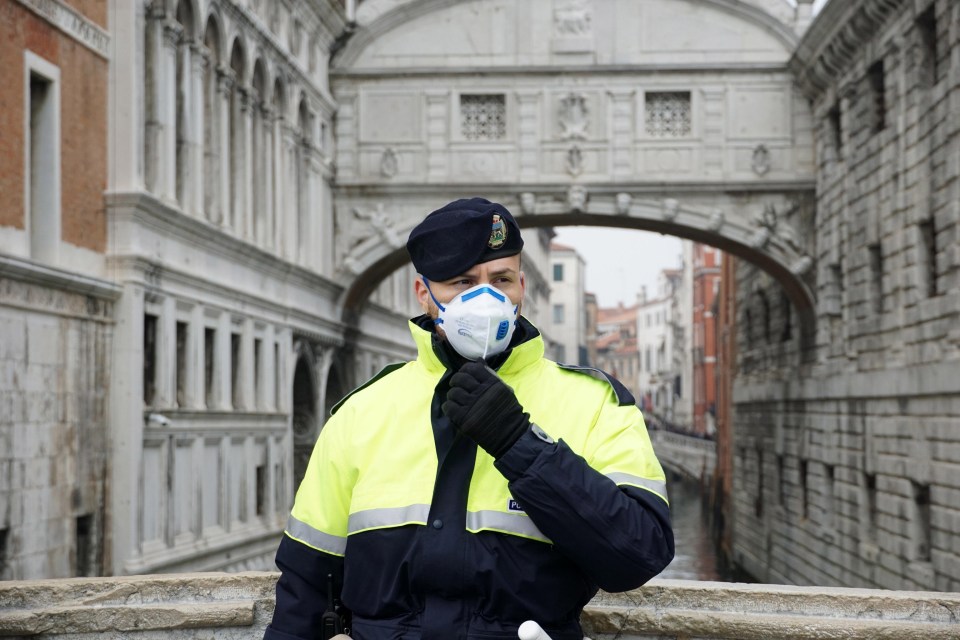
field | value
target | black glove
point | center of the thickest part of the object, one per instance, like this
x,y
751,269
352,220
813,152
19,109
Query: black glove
x,y
484,408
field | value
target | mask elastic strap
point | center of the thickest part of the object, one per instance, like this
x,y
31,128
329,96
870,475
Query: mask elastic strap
x,y
435,301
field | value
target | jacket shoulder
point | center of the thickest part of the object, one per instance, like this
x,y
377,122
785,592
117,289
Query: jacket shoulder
x,y
624,397
383,373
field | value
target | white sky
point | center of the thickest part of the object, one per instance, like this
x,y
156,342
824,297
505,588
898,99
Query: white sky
x,y
620,261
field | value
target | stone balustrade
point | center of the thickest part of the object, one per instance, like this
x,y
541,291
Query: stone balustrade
x,y
205,606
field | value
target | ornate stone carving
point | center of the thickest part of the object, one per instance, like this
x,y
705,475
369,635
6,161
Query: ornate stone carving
x,y
572,18
577,197
574,161
669,209
716,220
761,160
528,203
573,117
623,200
389,165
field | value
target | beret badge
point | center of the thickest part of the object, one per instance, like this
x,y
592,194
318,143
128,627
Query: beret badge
x,y
498,233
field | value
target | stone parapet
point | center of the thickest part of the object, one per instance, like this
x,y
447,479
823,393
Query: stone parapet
x,y
219,605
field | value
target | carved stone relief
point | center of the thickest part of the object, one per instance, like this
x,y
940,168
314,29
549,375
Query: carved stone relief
x,y
574,161
573,117
761,160
528,203
389,165
623,203
358,226
577,197
670,209
572,18
716,220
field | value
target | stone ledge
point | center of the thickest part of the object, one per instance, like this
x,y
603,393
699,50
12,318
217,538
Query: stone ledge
x,y
220,605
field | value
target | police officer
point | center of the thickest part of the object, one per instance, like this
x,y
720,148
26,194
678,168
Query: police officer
x,y
481,485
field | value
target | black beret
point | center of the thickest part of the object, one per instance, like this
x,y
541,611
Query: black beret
x,y
466,232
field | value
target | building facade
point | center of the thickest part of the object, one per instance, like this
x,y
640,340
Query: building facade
x,y
56,305
616,346
568,319
844,453
706,285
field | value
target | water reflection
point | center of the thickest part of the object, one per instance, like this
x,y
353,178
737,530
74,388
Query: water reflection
x,y
697,557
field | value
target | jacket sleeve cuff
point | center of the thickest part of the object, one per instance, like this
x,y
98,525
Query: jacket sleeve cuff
x,y
518,458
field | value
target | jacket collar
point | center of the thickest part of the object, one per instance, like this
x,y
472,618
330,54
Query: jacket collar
x,y
436,356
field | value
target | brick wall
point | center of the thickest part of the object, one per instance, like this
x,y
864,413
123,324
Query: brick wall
x,y
83,121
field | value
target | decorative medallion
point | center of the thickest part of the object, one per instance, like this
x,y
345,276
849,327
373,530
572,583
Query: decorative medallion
x,y
498,233
761,160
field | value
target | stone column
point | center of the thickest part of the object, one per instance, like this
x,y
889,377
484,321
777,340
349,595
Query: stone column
x,y
267,174
292,194
438,107
246,164
268,367
195,359
247,398
195,176
166,395
153,90
622,135
223,215
167,111
280,170
211,142
528,135
224,366
714,133
313,212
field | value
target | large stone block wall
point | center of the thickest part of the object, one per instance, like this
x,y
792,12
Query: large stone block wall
x,y
54,371
845,457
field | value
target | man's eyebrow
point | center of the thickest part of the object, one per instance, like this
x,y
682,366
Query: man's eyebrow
x,y
505,270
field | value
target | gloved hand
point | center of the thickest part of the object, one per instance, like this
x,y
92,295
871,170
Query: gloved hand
x,y
484,408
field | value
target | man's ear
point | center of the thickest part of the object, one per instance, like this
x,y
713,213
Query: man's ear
x,y
423,294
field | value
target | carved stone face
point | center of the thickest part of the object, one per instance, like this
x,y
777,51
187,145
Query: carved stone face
x,y
623,203
528,202
577,197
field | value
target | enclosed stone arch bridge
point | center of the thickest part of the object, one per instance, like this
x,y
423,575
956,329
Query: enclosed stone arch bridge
x,y
673,116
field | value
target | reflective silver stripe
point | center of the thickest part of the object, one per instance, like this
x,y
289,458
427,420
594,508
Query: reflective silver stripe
x,y
392,517
505,522
315,538
653,485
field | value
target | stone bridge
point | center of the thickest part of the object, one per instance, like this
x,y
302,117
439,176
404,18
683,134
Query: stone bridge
x,y
227,606
693,458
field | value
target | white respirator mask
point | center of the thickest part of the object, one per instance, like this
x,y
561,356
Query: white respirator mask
x,y
478,322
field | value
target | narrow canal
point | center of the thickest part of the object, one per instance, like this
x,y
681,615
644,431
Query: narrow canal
x,y
697,557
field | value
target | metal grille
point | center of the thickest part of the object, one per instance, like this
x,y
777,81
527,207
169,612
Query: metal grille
x,y
668,114
483,117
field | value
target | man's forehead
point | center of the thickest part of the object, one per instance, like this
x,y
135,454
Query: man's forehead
x,y
510,264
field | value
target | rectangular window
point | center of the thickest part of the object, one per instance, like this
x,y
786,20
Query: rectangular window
x,y
277,368
149,358
181,369
42,148
558,272
927,36
209,360
261,489
834,117
758,505
483,117
781,488
829,489
805,498
928,256
870,487
877,79
84,546
3,553
667,114
235,371
558,314
257,366
876,275
922,524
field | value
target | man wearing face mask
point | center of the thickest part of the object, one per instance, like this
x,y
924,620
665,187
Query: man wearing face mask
x,y
479,486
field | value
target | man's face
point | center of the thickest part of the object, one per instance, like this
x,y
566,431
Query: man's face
x,y
502,273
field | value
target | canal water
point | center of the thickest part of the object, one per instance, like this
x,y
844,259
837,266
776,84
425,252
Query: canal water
x,y
697,556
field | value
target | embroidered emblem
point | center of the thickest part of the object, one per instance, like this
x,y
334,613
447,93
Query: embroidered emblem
x,y
498,234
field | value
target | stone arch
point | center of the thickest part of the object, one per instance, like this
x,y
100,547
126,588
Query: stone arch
x,y
305,419
770,245
378,18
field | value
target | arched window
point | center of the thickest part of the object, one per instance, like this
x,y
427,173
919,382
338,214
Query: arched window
x,y
235,131
211,125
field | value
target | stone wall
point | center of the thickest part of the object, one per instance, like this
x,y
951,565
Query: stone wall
x,y
846,456
54,373
226,606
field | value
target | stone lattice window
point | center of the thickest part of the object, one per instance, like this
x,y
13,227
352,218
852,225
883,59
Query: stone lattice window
x,y
483,116
668,114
